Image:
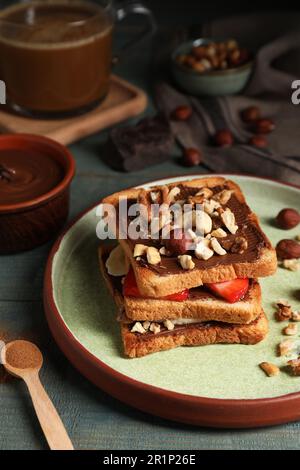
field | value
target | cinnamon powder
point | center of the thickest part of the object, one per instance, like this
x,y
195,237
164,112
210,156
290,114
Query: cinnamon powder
x,y
23,355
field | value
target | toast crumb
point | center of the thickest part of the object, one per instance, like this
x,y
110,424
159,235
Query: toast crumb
x,y
270,369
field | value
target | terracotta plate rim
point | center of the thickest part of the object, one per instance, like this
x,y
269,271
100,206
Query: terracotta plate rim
x,y
113,378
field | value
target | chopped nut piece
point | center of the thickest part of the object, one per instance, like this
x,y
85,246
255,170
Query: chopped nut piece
x,y
224,196
298,238
169,325
139,250
138,328
228,219
186,262
291,329
211,205
172,194
217,247
287,347
283,313
203,222
296,316
270,369
205,192
117,263
239,245
146,325
154,196
291,264
153,256
219,233
155,328
163,251
294,365
202,250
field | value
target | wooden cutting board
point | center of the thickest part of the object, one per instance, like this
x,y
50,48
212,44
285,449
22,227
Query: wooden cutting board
x,y
122,102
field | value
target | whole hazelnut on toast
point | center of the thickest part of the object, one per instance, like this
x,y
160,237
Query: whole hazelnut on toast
x,y
178,243
288,218
288,249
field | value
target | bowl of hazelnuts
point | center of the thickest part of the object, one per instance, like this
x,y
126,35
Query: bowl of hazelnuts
x,y
212,67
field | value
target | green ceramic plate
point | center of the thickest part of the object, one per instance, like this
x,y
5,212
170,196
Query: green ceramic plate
x,y
86,313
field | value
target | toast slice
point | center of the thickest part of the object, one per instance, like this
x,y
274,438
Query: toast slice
x,y
200,334
192,334
201,304
248,252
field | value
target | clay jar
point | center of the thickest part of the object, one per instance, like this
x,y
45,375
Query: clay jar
x,y
35,178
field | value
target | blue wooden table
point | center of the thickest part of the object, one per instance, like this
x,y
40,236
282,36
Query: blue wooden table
x,y
93,419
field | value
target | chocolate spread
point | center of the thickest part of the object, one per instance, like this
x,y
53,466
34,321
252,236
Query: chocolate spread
x,y
255,238
27,174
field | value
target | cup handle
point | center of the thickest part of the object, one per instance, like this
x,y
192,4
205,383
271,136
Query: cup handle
x,y
129,8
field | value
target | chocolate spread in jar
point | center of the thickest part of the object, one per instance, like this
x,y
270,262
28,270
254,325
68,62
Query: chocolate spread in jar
x,y
27,174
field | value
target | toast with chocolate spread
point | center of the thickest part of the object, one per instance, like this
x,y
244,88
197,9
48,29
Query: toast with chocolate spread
x,y
231,246
199,304
152,335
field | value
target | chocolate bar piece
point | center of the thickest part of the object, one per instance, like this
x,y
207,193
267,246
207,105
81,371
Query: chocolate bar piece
x,y
147,143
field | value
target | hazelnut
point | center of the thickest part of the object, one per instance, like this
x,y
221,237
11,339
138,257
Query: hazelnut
x,y
178,243
192,156
291,329
181,59
153,255
199,52
288,218
186,262
270,369
294,365
239,245
190,61
181,113
199,67
234,57
250,114
224,138
258,141
291,264
288,249
283,313
264,126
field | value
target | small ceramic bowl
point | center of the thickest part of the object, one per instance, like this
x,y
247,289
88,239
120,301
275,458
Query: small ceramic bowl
x,y
212,83
32,222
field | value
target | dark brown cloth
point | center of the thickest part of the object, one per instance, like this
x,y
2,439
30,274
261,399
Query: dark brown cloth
x,y
277,65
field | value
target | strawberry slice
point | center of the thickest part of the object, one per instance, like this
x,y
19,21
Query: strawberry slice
x,y
130,289
232,291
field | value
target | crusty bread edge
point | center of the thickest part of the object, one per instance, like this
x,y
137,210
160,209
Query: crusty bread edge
x,y
137,345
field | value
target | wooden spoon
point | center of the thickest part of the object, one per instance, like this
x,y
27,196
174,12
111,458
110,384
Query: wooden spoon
x,y
24,360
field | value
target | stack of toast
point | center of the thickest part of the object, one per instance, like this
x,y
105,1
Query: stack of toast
x,y
189,287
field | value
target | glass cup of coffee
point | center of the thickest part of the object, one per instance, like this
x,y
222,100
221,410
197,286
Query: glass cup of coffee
x,y
56,55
